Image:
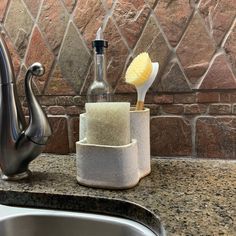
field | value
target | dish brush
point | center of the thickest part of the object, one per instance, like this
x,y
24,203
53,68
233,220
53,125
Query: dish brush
x,y
141,73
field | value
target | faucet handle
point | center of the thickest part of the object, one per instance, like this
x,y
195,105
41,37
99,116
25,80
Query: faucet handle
x,y
36,69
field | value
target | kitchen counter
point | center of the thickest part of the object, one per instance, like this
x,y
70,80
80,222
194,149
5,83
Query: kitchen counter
x,y
191,196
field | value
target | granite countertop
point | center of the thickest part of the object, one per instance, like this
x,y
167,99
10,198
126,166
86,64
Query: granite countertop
x,y
191,196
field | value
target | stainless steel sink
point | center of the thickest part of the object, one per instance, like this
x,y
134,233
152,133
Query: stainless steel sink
x,y
16,221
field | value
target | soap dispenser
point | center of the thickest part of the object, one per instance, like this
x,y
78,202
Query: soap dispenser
x,y
99,90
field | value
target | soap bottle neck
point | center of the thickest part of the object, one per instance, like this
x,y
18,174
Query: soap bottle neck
x,y
100,74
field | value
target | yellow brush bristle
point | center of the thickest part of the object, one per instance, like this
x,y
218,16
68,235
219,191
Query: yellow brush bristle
x,y
139,70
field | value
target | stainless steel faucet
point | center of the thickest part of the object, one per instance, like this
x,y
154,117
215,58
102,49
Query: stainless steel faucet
x,y
19,143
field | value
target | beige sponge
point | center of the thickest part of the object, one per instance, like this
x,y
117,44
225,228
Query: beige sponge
x,y
108,123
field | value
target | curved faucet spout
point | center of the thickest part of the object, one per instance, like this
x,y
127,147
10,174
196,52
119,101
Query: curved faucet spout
x,y
19,145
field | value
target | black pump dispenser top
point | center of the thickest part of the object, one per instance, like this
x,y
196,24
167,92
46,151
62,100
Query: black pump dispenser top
x,y
99,43
99,46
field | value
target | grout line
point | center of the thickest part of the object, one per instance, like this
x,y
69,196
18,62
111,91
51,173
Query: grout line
x,y
70,22
228,33
44,35
131,51
49,76
23,60
144,25
121,35
109,13
81,37
186,27
27,9
153,5
6,33
172,49
71,16
85,80
216,54
126,45
6,12
32,30
49,48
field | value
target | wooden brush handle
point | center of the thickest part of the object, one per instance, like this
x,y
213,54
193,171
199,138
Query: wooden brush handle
x,y
139,105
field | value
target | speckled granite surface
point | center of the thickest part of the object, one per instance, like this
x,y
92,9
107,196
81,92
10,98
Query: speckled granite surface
x,y
192,197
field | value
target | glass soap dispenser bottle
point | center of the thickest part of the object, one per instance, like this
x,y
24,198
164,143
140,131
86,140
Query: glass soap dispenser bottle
x,y
99,90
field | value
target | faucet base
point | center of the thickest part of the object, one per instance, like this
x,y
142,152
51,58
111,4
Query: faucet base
x,y
19,176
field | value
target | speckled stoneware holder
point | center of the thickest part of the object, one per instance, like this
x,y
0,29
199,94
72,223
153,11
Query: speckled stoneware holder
x,y
102,166
115,167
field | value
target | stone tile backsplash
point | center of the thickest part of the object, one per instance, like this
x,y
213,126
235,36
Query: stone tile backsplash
x,y
193,100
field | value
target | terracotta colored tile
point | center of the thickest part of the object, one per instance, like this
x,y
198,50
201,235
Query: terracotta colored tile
x,y
196,49
170,136
88,17
53,21
14,55
234,109
108,3
219,76
3,7
219,16
72,110
173,109
150,98
230,48
117,53
131,17
132,98
225,97
153,42
185,98
57,85
123,87
208,97
162,99
233,97
152,3
194,109
79,101
215,137
56,110
220,109
64,101
154,109
58,143
70,4
173,17
38,45
33,6
47,100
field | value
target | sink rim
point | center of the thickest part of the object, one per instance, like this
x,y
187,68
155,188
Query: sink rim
x,y
85,203
12,213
